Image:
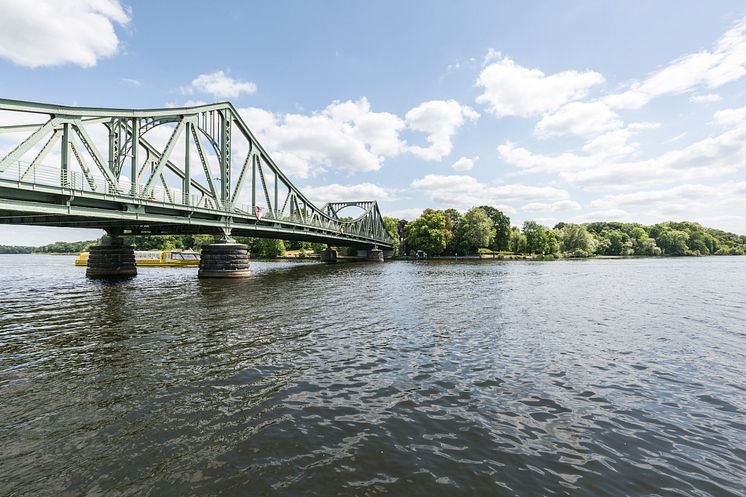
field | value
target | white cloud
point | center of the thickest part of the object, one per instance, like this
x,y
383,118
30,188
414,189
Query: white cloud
x,y
346,193
730,117
465,163
682,195
345,136
612,144
130,82
219,85
512,90
603,215
606,165
465,191
408,214
349,136
710,69
579,118
560,205
440,119
705,99
716,205
54,32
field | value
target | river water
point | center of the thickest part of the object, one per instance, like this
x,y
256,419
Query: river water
x,y
582,378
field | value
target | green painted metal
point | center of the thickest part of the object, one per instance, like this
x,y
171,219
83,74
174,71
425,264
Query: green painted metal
x,y
160,192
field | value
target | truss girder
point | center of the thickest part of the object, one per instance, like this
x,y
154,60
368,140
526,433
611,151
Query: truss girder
x,y
126,135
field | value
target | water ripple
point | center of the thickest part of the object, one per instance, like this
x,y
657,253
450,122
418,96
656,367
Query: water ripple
x,y
567,378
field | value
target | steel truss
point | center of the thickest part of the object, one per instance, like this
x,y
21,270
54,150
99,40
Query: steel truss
x,y
139,186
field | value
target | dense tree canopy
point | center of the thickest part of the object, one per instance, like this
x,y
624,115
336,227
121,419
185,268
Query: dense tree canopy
x,y
448,232
501,224
429,232
476,230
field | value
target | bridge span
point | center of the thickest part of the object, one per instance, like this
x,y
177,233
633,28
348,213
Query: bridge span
x,y
191,170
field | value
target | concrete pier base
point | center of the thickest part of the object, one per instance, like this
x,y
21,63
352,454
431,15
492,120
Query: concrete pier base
x,y
328,255
374,254
224,260
111,260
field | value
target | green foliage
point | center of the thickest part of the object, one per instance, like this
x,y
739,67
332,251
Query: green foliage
x,y
16,249
429,232
501,225
575,240
52,248
475,230
540,239
392,226
518,242
271,248
673,242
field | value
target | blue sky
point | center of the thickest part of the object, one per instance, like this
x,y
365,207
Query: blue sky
x,y
554,111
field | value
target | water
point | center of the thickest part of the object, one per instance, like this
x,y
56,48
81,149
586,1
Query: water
x,y
609,377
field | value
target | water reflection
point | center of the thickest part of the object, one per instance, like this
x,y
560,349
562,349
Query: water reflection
x,y
590,378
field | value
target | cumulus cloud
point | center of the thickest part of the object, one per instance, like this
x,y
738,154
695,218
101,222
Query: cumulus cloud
x,y
513,90
560,205
705,99
682,195
349,136
219,85
346,136
730,117
724,63
346,193
603,215
408,214
710,157
54,32
440,119
579,118
465,191
465,163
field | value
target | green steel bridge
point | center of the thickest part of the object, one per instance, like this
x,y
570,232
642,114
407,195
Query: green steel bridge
x,y
192,170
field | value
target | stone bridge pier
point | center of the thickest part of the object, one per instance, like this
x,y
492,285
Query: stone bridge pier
x,y
328,255
111,259
224,259
373,254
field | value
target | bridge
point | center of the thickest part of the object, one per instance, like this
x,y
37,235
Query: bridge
x,y
190,170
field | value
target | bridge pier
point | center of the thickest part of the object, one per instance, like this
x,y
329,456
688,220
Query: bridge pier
x,y
374,254
112,259
224,259
329,255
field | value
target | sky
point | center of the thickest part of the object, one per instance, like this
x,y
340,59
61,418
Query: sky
x,y
552,111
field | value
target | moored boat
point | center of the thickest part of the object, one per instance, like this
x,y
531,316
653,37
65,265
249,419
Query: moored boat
x,y
155,258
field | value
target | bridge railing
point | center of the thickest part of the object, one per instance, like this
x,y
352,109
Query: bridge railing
x,y
220,163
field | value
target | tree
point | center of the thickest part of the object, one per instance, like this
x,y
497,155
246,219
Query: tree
x,y
517,241
535,237
501,224
455,244
392,226
673,242
476,230
575,241
428,232
271,248
619,242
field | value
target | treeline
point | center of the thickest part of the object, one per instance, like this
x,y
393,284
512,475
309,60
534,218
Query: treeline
x,y
480,229
52,248
259,247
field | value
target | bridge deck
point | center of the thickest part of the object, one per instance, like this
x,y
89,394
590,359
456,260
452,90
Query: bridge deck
x,y
130,191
